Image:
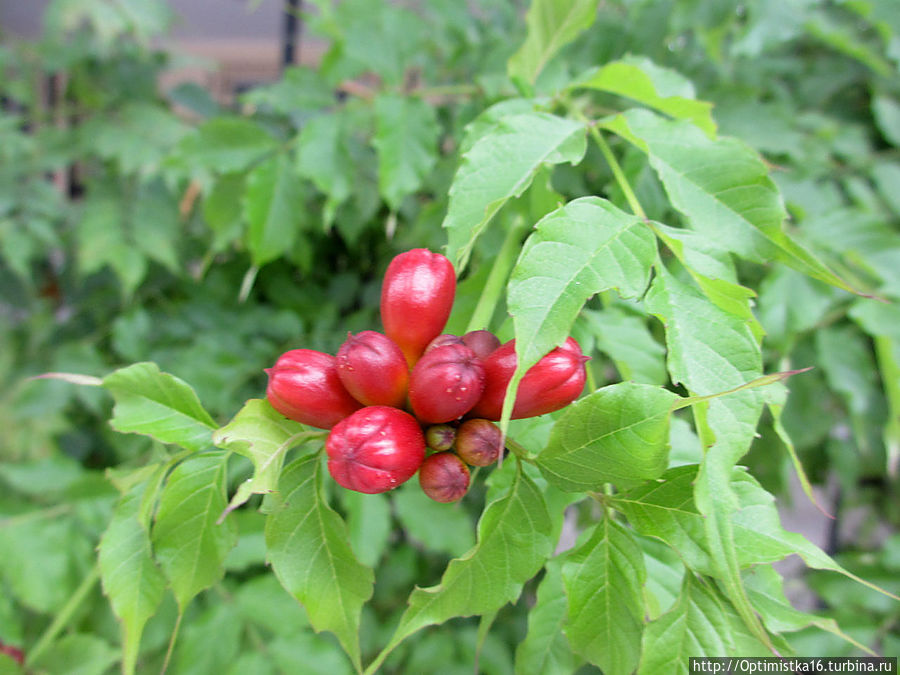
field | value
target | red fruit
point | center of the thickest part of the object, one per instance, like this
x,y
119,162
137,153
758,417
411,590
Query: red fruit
x,y
444,477
445,384
416,299
304,385
375,449
478,442
373,369
482,342
552,383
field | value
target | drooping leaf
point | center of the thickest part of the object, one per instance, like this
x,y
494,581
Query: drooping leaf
x,y
603,580
619,434
434,525
189,544
500,166
406,137
273,207
263,436
513,543
575,252
131,580
545,649
309,549
641,80
723,188
552,24
159,405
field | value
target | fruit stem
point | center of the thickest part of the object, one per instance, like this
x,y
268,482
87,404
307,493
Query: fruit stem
x,y
496,281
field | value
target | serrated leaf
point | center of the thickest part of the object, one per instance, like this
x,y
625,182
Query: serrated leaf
x,y
619,434
641,80
603,580
102,241
131,580
273,208
158,405
225,145
262,435
310,552
406,138
501,165
723,188
513,543
552,24
625,337
694,627
581,249
545,650
190,546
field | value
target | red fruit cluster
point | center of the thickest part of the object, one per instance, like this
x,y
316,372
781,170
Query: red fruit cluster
x,y
381,390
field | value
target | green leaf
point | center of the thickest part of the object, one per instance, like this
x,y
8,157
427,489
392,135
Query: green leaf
x,y
665,509
189,544
154,224
438,527
158,405
619,434
274,209
545,649
641,80
225,145
406,139
131,580
310,552
552,24
501,165
323,158
723,188
581,249
513,543
625,337
223,209
262,435
765,589
604,581
695,627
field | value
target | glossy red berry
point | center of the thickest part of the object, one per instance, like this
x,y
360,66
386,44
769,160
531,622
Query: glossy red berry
x,y
373,369
445,384
375,449
444,477
552,383
482,342
478,442
440,436
416,299
304,385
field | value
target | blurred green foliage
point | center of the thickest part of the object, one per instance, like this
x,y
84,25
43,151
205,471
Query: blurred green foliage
x,y
146,225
